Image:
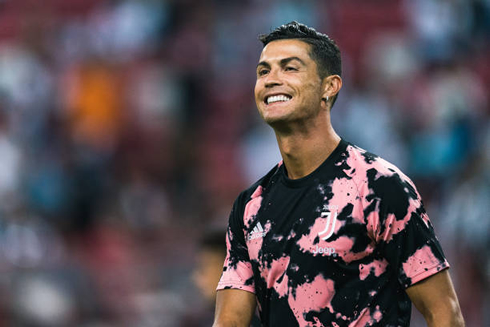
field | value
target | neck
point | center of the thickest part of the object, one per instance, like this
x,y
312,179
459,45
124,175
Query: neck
x,y
304,149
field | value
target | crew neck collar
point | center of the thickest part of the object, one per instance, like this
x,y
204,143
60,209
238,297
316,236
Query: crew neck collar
x,y
303,181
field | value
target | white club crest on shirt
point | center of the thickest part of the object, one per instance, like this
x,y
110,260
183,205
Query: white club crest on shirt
x,y
330,226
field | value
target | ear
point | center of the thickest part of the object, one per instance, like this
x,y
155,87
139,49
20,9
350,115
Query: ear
x,y
331,86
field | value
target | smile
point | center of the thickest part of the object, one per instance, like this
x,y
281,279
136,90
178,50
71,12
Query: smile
x,y
277,98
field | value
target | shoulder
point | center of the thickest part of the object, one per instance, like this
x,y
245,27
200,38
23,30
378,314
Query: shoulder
x,y
248,201
376,175
258,188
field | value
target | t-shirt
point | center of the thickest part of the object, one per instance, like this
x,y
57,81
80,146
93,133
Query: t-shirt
x,y
335,248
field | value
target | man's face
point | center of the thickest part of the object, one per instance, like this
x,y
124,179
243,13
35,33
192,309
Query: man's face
x,y
208,272
288,87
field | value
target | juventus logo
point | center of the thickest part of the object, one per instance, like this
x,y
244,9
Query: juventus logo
x,y
330,228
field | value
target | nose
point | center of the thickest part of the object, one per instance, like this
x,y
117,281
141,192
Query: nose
x,y
272,78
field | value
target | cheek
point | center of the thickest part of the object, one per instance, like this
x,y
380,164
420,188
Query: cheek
x,y
256,91
313,90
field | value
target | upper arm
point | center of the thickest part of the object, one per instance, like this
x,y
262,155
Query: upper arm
x,y
235,300
400,227
436,299
234,308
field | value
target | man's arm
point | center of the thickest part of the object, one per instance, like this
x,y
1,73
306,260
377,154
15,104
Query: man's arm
x,y
234,308
436,299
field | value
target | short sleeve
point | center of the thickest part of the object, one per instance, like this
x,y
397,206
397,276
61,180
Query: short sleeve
x,y
404,234
237,269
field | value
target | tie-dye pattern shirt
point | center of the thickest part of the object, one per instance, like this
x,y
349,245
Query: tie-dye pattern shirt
x,y
335,248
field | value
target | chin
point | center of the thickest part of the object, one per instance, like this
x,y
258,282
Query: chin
x,y
276,122
274,116
269,118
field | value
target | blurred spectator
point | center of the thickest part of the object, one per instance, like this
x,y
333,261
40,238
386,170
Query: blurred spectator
x,y
209,265
93,105
210,256
10,162
445,105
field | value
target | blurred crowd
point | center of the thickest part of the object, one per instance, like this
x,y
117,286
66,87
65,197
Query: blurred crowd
x,y
128,128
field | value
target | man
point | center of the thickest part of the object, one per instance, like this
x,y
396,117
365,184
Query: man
x,y
210,256
209,265
333,235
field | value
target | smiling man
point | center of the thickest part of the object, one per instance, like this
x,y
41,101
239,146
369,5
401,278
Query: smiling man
x,y
333,235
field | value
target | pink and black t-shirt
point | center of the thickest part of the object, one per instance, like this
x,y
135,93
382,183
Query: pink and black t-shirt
x,y
335,248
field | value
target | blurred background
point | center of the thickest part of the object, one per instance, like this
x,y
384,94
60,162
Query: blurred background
x,y
128,128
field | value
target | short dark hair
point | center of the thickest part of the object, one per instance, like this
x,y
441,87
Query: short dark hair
x,y
324,50
214,240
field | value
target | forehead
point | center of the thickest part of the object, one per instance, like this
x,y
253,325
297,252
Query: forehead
x,y
280,49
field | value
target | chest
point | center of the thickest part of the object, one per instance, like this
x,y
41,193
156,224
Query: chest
x,y
317,226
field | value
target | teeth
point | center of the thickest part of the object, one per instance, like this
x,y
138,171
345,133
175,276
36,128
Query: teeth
x,y
277,98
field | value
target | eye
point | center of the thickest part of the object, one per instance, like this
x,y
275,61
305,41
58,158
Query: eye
x,y
262,72
290,68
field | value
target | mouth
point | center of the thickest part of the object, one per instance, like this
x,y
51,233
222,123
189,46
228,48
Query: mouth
x,y
270,99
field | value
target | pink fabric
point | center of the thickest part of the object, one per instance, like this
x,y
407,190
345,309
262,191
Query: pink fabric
x,y
423,264
352,193
312,296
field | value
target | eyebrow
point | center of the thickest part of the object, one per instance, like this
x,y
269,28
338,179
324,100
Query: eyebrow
x,y
283,62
